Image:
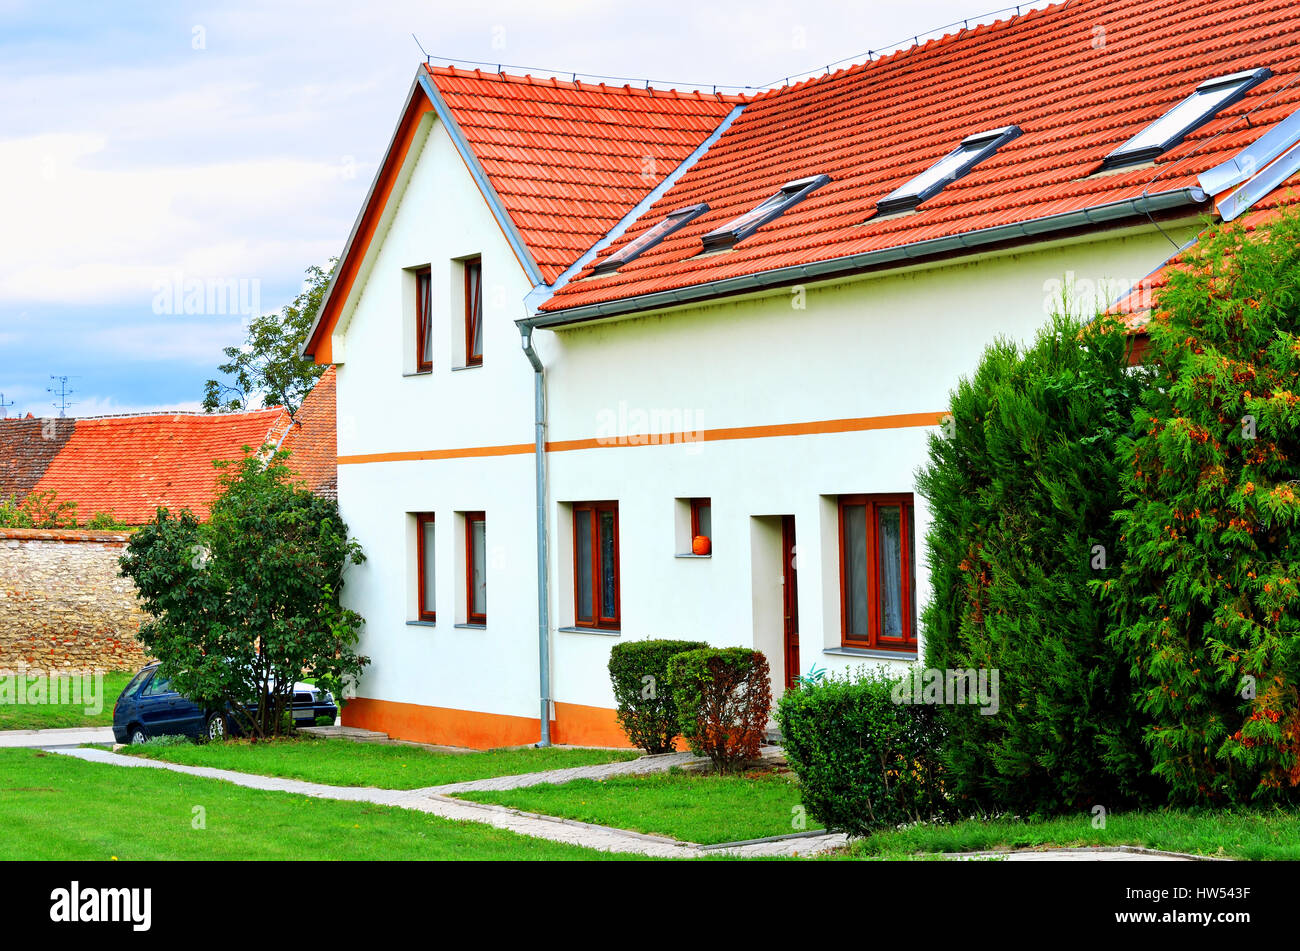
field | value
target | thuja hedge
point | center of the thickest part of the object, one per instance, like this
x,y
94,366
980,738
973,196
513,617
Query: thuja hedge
x,y
1022,482
1206,601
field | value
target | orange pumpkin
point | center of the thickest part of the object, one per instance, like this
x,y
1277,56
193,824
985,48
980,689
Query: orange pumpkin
x,y
701,545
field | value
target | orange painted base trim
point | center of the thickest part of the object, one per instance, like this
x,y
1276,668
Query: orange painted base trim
x,y
441,725
574,725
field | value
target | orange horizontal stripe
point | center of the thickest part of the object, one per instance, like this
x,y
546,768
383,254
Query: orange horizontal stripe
x,y
853,425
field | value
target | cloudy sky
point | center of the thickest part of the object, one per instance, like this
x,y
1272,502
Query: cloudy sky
x,y
150,148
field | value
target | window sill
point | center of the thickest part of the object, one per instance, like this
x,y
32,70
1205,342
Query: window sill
x,y
691,554
872,652
419,373
470,627
422,623
607,631
468,366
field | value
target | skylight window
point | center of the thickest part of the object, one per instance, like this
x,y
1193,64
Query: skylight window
x,y
650,238
738,229
973,150
1209,99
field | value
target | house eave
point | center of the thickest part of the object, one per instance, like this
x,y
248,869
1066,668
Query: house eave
x,y
1159,203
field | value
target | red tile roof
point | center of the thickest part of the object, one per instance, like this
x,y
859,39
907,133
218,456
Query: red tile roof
x,y
569,159
1079,78
129,465
312,443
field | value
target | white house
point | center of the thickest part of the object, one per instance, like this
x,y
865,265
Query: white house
x,y
740,318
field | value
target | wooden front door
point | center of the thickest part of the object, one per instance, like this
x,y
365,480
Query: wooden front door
x,y
790,600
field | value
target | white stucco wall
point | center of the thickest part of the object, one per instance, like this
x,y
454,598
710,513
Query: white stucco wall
x,y
884,344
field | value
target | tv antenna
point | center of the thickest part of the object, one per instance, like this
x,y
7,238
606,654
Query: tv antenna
x,y
61,392
4,407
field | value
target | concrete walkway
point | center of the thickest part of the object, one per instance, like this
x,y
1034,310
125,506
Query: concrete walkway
x,y
73,736
432,800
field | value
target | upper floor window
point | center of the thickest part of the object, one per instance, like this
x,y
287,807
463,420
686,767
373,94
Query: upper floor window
x,y
738,229
701,526
878,572
423,320
473,312
973,150
1210,98
595,564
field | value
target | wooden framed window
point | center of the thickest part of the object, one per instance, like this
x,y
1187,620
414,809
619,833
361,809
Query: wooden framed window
x,y
424,538
701,518
878,572
595,565
423,320
474,312
475,568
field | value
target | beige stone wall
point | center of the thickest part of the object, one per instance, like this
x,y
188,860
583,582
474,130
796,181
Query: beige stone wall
x,y
62,603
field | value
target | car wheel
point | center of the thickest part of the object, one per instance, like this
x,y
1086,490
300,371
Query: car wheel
x,y
217,727
138,736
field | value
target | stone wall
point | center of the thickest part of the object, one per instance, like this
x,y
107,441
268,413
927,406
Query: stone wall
x,y
62,603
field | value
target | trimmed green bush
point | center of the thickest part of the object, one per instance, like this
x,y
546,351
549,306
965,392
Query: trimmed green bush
x,y
1022,482
1208,599
639,672
864,762
723,698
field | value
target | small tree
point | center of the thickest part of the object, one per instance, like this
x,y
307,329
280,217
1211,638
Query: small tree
x,y
1208,599
243,606
723,698
269,364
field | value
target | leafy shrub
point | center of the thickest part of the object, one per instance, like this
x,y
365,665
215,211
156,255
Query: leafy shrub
x,y
104,522
639,671
1208,599
38,510
864,762
244,605
1022,484
169,739
723,697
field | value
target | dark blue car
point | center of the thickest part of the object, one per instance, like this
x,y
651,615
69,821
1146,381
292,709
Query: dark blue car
x,y
150,707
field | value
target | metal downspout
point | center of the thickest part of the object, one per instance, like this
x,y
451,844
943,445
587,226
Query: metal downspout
x,y
543,548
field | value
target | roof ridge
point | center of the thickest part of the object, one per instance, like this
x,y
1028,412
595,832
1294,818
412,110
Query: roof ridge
x,y
554,82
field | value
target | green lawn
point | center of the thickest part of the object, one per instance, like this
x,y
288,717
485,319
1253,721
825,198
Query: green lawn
x,y
689,806
57,807
1261,834
387,766
47,716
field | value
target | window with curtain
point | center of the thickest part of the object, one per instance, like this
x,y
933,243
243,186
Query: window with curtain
x,y
424,565
595,564
474,312
476,567
702,518
423,321
878,571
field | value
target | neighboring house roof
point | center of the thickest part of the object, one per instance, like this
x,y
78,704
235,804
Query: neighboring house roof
x,y
129,465
313,441
569,159
27,446
1078,78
